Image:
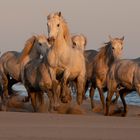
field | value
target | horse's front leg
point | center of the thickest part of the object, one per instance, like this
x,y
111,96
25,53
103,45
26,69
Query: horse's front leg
x,y
108,101
27,98
80,89
55,87
50,96
64,83
99,84
52,72
101,96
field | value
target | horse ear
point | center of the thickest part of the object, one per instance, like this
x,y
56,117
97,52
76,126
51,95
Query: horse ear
x,y
110,38
122,38
85,40
59,14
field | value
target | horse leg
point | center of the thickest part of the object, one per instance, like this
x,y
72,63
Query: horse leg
x,y
27,98
92,90
114,101
108,101
11,82
68,97
101,96
122,95
64,83
33,100
41,102
80,89
55,87
50,96
85,90
5,86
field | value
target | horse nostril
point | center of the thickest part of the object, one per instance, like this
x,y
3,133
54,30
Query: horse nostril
x,y
51,39
48,39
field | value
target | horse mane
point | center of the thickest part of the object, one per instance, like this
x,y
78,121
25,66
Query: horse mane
x,y
27,49
67,34
105,53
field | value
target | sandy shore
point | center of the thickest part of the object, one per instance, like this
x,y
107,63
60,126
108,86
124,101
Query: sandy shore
x,y
25,125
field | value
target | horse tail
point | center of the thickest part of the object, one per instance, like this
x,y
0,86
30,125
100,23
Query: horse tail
x,y
27,49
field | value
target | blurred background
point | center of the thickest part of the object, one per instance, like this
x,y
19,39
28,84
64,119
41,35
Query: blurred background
x,y
96,19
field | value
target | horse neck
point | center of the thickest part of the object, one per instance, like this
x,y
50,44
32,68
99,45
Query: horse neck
x,y
60,41
63,37
35,53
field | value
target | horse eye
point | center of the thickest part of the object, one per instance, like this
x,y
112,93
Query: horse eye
x,y
74,43
112,48
58,25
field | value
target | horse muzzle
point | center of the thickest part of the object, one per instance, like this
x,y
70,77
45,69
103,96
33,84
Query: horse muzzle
x,y
51,40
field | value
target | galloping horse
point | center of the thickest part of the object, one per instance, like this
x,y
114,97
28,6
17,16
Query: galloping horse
x,y
80,42
107,55
11,62
123,77
62,57
37,80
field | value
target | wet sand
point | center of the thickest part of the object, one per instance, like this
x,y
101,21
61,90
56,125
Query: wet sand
x,y
77,124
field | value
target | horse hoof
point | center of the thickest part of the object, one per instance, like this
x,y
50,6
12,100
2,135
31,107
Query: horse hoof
x,y
65,100
124,114
85,97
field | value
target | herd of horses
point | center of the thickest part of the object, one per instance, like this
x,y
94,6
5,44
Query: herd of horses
x,y
59,64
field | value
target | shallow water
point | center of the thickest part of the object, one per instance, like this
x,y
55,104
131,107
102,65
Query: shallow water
x,y
133,98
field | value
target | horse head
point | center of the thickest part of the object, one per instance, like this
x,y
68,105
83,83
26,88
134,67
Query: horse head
x,y
57,27
34,47
116,46
79,41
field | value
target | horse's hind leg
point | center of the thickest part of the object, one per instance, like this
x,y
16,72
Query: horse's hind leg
x,y
92,91
122,95
50,96
85,90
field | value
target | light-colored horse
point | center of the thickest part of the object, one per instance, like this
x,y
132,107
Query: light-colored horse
x,y
123,77
107,55
11,62
63,57
79,42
